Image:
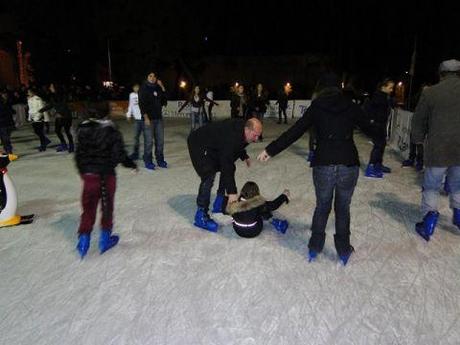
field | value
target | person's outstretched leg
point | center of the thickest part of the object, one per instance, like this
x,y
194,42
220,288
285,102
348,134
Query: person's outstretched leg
x,y
107,240
432,181
324,179
346,182
453,175
89,200
158,133
148,146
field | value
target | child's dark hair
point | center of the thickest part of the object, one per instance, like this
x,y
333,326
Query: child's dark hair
x,y
250,190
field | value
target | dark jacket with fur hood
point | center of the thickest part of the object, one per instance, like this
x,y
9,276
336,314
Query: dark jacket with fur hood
x,y
248,215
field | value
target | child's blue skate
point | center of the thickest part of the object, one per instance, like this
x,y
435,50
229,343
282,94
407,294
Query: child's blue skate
x,y
312,254
218,203
203,221
107,241
83,244
280,225
427,226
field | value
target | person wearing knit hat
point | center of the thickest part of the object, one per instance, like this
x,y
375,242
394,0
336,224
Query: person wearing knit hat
x,y
436,123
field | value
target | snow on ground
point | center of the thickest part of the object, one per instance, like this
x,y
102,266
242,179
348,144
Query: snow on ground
x,y
170,283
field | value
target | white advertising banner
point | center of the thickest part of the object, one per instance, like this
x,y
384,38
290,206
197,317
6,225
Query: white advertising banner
x,y
400,131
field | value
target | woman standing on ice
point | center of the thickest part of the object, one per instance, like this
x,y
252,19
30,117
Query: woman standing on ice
x,y
335,163
197,101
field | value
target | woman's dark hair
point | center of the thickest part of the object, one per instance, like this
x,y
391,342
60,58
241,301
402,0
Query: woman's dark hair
x,y
385,82
250,190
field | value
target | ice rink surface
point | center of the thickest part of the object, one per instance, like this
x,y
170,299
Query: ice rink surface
x,y
168,282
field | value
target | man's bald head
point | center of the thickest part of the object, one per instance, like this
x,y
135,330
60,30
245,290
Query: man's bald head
x,y
252,130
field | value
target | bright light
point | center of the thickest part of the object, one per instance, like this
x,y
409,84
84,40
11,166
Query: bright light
x,y
400,83
288,84
236,84
108,84
343,85
182,84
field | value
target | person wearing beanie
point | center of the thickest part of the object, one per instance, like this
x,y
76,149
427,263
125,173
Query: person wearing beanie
x,y
335,163
436,123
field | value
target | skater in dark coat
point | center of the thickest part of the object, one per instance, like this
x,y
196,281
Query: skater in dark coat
x,y
335,163
252,209
99,150
57,100
378,110
152,99
214,148
239,103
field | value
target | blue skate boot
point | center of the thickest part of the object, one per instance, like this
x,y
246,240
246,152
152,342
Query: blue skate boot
x,y
162,164
312,254
345,257
107,240
427,226
408,163
62,148
150,166
372,171
218,203
203,221
456,218
280,225
83,244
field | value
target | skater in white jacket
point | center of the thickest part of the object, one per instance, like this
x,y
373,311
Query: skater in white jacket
x,y
35,104
135,112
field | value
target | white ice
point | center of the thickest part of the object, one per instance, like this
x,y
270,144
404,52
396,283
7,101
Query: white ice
x,y
168,282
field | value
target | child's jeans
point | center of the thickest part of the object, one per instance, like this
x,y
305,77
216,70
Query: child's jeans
x,y
96,187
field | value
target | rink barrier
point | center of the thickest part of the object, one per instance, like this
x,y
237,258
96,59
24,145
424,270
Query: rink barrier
x,y
400,128
118,109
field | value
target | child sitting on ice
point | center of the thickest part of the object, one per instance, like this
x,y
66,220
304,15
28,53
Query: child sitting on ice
x,y
252,209
100,149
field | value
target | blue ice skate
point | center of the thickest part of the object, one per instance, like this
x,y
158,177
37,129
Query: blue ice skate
x,y
218,203
150,166
83,244
427,226
372,171
344,258
312,254
203,221
280,225
408,163
107,240
162,164
62,148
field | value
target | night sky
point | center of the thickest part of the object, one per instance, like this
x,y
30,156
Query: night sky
x,y
368,39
